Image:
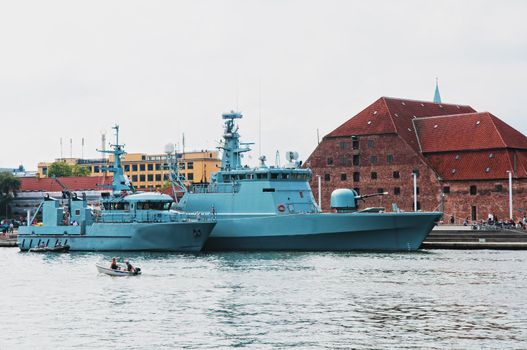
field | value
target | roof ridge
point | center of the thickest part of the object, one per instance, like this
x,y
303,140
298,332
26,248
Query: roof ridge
x,y
490,115
424,101
390,115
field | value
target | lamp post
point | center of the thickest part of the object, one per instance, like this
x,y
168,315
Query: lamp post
x,y
414,174
510,193
319,193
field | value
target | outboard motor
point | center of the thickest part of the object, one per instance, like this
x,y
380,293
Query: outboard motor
x,y
344,200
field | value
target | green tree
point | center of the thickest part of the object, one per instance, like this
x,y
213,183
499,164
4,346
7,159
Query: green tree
x,y
9,185
80,170
59,169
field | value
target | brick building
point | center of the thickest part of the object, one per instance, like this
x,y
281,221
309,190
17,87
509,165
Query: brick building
x,y
461,158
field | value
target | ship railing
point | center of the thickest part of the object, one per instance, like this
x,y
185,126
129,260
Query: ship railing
x,y
192,216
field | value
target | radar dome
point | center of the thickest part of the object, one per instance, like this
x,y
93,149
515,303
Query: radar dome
x,y
169,148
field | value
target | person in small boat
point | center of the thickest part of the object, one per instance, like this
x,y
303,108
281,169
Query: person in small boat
x,y
114,265
129,266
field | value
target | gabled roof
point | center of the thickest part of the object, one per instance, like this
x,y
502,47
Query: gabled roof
x,y
473,131
73,183
394,115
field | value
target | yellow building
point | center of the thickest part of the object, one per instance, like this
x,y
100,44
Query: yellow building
x,y
150,171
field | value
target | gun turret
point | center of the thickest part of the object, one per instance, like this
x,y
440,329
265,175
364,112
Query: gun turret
x,y
345,200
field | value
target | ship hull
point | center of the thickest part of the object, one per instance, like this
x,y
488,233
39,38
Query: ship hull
x,y
180,236
323,232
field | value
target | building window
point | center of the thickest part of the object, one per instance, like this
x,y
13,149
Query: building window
x,y
142,167
134,178
134,167
396,191
344,145
329,161
182,166
356,189
327,177
150,177
158,166
150,167
389,158
344,161
356,176
165,177
371,144
142,178
473,190
96,169
396,175
356,160
190,165
190,176
380,190
158,177
416,172
373,159
418,205
373,175
355,144
127,167
446,189
343,177
417,190
499,187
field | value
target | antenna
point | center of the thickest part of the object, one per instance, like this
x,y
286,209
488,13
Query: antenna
x,y
103,144
82,148
318,137
237,93
183,143
260,118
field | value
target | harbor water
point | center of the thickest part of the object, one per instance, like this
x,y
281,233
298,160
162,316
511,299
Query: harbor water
x,y
423,300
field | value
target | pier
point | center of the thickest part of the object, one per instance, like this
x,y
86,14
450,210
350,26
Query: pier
x,y
465,237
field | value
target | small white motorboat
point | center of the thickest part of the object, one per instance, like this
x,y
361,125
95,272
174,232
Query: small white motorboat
x,y
117,272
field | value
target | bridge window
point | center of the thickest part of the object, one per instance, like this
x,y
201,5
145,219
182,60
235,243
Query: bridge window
x,y
154,205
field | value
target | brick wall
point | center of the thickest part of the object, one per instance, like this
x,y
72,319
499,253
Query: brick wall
x,y
333,161
383,155
490,197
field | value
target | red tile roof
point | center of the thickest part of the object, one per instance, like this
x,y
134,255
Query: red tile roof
x,y
478,165
73,183
394,115
473,131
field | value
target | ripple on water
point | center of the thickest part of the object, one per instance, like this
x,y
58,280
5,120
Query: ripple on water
x,y
432,299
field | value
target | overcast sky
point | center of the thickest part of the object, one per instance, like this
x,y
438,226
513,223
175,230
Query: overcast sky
x,y
72,69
